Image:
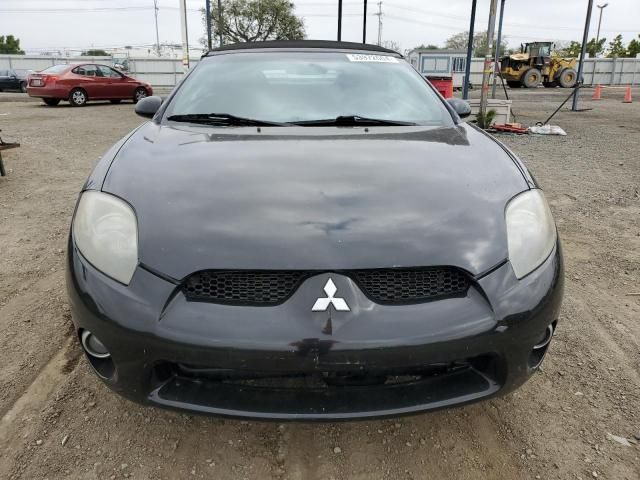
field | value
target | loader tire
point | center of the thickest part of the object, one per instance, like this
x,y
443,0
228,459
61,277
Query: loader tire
x,y
531,78
567,78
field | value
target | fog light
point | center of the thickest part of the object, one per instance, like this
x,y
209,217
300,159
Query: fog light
x,y
540,348
98,355
93,345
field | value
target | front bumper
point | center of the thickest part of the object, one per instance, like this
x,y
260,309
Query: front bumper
x,y
276,362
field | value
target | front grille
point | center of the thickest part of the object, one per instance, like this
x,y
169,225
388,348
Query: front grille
x,y
243,287
272,287
392,285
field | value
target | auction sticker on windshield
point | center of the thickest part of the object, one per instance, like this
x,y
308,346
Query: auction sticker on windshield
x,y
360,57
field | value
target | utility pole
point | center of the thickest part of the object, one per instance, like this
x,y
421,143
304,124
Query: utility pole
x,y
497,57
467,67
583,53
339,20
488,62
601,7
207,8
220,22
379,14
364,23
155,11
185,35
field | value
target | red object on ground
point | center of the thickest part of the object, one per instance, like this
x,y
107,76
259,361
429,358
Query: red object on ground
x,y
509,127
627,96
597,92
444,85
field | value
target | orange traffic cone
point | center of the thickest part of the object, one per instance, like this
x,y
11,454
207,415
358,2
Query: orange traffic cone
x,y
597,92
627,96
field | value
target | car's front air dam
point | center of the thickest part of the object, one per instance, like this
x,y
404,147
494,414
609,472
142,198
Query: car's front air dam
x,y
151,330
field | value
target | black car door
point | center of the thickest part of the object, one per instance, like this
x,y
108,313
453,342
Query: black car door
x,y
4,79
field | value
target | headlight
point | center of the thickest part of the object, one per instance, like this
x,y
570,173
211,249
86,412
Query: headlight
x,y
531,231
105,231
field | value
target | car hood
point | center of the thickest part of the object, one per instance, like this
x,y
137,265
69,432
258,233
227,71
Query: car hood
x,y
315,198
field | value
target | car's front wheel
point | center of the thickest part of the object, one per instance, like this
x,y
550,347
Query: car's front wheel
x,y
78,97
52,102
23,87
139,94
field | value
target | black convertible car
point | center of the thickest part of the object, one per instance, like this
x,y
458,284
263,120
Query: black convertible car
x,y
307,230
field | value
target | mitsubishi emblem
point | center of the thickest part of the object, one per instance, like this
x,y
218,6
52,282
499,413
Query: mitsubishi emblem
x,y
323,303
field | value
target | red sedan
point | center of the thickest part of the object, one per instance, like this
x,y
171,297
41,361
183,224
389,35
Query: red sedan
x,y
79,84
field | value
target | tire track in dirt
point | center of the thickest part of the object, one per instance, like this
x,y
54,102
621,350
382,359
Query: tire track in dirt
x,y
22,419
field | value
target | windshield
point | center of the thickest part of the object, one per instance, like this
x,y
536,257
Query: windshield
x,y
290,87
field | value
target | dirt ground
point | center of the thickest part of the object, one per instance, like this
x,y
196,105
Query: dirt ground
x,y
59,421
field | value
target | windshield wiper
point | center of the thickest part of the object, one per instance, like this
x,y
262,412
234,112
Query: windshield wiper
x,y
223,119
351,120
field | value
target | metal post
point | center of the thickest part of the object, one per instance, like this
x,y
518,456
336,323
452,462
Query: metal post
x,y
583,53
488,61
339,20
379,14
364,23
467,69
207,8
155,11
220,23
497,57
601,7
185,35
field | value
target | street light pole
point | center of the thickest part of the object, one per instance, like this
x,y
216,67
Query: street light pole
x,y
601,7
583,53
497,57
467,67
364,23
339,20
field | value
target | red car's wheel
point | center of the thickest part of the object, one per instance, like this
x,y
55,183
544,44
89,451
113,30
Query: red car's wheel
x,y
78,97
139,94
52,102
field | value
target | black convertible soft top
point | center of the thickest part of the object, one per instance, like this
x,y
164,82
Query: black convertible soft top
x,y
286,44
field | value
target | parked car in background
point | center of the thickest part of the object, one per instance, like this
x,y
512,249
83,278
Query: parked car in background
x,y
13,80
81,83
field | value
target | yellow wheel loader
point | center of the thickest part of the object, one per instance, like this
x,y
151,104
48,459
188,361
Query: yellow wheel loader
x,y
535,64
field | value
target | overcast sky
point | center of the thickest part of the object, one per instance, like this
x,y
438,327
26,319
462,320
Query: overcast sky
x,y
58,24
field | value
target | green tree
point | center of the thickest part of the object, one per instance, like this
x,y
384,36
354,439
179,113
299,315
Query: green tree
x,y
94,52
10,44
255,20
633,49
460,40
571,50
593,48
430,46
616,48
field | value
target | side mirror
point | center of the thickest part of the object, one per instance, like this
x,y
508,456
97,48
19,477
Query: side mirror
x,y
148,106
462,107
